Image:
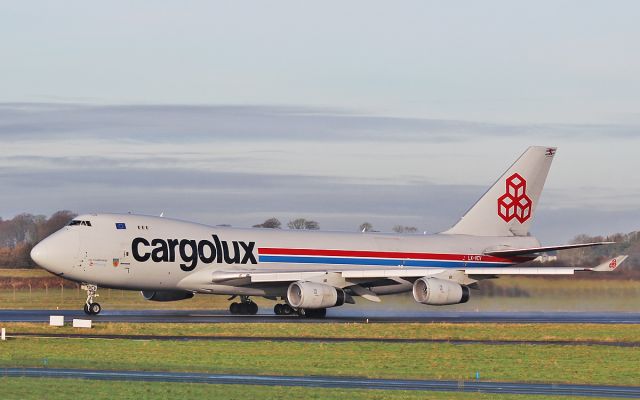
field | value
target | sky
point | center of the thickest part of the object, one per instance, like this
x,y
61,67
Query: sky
x,y
343,112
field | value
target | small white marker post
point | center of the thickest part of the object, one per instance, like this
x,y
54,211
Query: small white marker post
x,y
3,334
82,323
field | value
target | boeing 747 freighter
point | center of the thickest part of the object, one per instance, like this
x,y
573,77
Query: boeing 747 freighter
x,y
307,272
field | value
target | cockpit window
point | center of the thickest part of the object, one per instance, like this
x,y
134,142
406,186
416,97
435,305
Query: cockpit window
x,y
78,222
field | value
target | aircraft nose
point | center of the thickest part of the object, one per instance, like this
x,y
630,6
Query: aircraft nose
x,y
58,252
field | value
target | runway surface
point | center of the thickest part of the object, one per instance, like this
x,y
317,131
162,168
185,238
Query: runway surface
x,y
333,316
334,382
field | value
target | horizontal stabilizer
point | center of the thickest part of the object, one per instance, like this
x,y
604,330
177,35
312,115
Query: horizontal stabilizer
x,y
534,250
608,265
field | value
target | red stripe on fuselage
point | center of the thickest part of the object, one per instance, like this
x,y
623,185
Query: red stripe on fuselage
x,y
381,254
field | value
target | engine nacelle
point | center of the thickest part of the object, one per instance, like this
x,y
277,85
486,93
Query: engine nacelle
x,y
314,295
438,292
166,295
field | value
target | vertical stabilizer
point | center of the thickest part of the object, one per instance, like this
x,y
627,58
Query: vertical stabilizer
x,y
508,207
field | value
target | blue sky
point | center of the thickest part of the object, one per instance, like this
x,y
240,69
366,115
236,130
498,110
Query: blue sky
x,y
393,112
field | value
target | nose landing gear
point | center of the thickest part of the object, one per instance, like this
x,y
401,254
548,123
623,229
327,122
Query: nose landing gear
x,y
90,306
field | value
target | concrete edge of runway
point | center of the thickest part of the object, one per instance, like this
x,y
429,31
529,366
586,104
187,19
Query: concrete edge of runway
x,y
212,338
333,382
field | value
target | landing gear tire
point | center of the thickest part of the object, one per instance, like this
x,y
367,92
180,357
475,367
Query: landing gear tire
x,y
244,308
92,309
282,309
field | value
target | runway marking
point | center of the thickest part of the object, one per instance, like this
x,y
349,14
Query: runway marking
x,y
333,382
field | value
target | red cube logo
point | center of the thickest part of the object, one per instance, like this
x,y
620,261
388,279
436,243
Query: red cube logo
x,y
515,203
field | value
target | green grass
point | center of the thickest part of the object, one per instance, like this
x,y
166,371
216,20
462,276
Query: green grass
x,y
474,331
535,363
40,388
24,273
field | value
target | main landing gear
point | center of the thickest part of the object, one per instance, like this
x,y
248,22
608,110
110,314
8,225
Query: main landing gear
x,y
90,306
286,309
283,309
312,312
245,307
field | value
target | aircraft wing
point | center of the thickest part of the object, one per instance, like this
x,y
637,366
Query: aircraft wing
x,y
533,250
349,277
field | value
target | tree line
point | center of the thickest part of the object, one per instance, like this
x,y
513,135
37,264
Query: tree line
x,y
19,234
302,223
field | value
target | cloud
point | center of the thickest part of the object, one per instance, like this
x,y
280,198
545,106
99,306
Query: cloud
x,y
243,164
189,123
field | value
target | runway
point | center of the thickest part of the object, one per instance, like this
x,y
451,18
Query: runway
x,y
334,382
333,316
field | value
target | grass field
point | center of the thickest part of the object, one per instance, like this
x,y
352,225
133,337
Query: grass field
x,y
27,388
24,273
534,363
448,331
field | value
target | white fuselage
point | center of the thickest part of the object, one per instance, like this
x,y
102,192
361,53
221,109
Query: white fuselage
x,y
151,253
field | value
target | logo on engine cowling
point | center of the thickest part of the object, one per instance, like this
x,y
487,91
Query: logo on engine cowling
x,y
515,203
190,251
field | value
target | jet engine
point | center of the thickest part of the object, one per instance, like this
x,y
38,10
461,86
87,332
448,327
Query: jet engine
x,y
315,295
166,295
439,292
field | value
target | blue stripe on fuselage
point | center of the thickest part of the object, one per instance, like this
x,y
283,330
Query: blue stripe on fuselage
x,y
378,261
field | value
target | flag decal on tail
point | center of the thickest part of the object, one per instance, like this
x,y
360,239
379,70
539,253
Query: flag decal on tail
x,y
515,203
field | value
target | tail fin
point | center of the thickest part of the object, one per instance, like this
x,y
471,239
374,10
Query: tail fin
x,y
507,208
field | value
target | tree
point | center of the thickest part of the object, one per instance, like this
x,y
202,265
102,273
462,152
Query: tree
x,y
404,229
272,223
301,223
19,234
366,227
54,223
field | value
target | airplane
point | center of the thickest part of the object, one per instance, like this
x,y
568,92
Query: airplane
x,y
306,272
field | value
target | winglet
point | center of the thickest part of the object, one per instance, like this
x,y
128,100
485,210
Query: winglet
x,y
609,265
